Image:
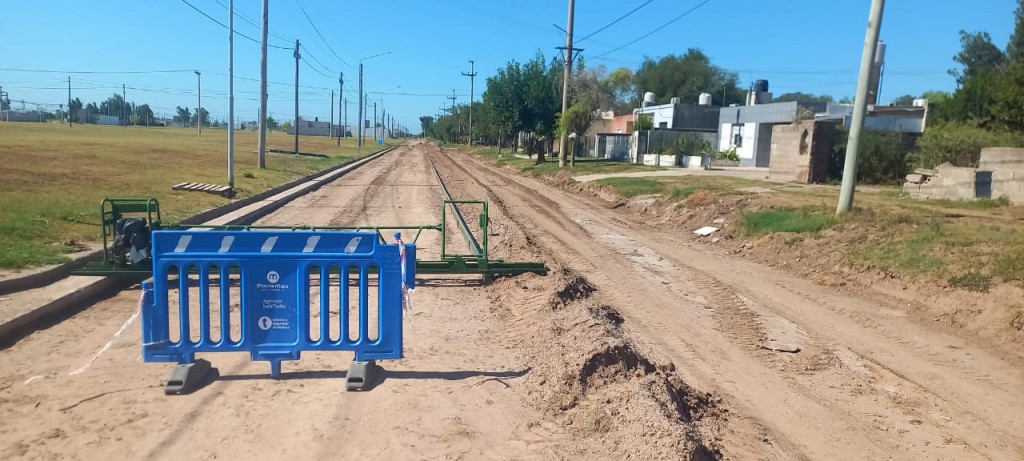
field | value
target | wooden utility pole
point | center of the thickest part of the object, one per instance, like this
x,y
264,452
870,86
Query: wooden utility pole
x,y
341,89
296,125
565,80
231,93
471,75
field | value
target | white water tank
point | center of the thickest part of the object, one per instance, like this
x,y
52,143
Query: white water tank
x,y
704,99
920,102
674,100
648,98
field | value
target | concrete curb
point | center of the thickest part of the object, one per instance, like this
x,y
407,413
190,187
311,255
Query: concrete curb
x,y
17,328
48,276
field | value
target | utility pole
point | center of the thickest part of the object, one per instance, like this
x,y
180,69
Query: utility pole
x,y
366,97
471,75
565,82
344,128
375,122
199,110
296,126
124,102
262,155
867,60
331,130
69,101
231,93
359,131
341,89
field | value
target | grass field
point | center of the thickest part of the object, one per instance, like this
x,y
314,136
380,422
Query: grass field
x,y
53,177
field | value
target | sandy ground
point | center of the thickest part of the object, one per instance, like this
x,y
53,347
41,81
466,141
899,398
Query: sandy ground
x,y
637,345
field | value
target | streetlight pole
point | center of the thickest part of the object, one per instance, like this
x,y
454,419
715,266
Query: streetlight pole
x,y
362,100
199,110
565,81
231,93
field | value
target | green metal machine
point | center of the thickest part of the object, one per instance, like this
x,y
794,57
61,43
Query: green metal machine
x,y
120,258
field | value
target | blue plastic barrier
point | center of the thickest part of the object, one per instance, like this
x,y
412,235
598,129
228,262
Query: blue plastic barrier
x,y
273,314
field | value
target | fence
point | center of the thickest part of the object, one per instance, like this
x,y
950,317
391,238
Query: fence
x,y
274,294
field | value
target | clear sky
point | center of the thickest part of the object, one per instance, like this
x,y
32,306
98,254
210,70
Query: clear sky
x,y
798,45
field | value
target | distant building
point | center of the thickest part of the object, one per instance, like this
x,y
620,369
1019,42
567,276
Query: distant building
x,y
315,128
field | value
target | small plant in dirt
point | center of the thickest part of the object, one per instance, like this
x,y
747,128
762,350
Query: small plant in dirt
x,y
248,175
1010,266
685,192
785,220
972,281
1017,318
794,240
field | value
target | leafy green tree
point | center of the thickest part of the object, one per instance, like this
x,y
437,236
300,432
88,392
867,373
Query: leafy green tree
x,y
977,55
201,114
904,101
686,77
144,115
802,97
74,106
621,85
271,123
426,122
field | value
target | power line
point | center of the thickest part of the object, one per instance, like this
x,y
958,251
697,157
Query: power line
x,y
297,2
251,22
634,10
314,69
47,71
225,26
686,13
304,47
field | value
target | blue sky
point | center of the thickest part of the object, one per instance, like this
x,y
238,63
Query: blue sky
x,y
798,45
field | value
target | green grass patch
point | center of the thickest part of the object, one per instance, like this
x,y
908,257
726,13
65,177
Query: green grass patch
x,y
632,187
785,220
972,281
1009,266
910,255
682,193
53,177
977,204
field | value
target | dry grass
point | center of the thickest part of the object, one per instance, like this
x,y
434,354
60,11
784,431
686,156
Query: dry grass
x,y
52,177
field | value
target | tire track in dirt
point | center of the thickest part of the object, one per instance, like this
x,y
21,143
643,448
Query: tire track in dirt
x,y
600,379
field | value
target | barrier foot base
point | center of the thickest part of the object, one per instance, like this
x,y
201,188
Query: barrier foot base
x,y
186,377
360,375
275,369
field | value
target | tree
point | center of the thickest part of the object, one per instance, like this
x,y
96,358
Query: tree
x,y
74,106
183,116
686,77
144,115
802,97
621,85
271,123
904,101
286,126
977,55
1015,47
201,114
426,122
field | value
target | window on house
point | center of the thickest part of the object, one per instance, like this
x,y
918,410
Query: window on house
x,y
662,125
736,133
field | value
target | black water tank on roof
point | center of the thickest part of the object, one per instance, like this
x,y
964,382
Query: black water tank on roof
x,y
761,86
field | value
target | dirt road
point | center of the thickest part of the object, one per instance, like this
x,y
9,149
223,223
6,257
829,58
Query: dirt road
x,y
635,346
867,383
